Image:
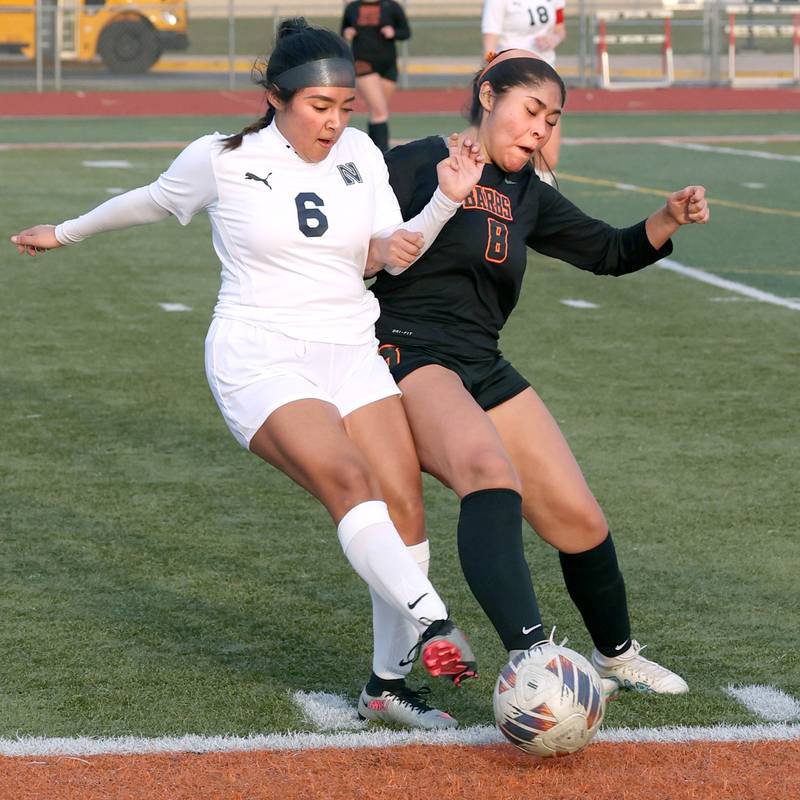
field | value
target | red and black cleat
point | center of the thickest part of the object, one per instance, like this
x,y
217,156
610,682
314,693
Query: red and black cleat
x,y
446,652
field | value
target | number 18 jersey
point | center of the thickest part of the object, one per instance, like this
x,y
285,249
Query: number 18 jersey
x,y
520,22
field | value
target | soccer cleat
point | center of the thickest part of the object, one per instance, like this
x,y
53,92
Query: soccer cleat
x,y
404,706
445,652
610,689
631,670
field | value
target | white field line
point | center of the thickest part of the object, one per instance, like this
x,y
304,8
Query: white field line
x,y
107,164
732,139
731,286
175,307
574,303
567,140
328,712
731,151
335,712
93,146
476,735
767,702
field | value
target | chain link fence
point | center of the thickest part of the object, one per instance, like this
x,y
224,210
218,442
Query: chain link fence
x,y
168,44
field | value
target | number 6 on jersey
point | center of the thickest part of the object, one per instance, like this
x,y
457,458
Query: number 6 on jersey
x,y
311,220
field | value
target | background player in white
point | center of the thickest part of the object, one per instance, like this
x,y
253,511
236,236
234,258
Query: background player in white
x,y
291,357
537,26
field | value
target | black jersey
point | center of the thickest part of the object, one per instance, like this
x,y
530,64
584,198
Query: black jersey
x,y
368,19
457,297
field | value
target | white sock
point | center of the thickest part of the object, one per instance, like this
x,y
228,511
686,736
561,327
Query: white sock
x,y
377,553
393,635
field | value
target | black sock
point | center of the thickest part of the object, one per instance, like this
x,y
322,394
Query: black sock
x,y
379,133
596,586
493,561
376,685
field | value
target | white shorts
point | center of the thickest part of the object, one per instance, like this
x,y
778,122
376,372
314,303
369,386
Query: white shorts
x,y
253,371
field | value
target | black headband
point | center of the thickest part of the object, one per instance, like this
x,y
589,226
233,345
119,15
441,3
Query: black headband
x,y
323,72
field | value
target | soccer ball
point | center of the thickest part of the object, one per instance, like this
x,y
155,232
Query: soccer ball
x,y
548,700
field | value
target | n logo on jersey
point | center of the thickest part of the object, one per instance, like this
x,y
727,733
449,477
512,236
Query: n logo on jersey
x,y
349,173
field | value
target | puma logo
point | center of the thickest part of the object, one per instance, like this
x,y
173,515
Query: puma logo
x,y
251,177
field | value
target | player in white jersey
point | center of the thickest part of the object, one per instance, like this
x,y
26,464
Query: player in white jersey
x,y
291,356
533,25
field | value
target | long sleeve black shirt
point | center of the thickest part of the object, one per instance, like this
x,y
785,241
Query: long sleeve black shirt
x,y
458,296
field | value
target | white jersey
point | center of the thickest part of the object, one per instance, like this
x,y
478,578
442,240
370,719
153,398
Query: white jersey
x,y
291,236
520,22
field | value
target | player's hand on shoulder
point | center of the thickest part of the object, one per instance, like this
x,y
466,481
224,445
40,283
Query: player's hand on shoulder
x,y
395,253
461,170
37,239
689,205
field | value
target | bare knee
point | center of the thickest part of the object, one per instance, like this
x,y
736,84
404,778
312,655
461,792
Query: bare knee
x,y
589,523
571,527
344,484
486,469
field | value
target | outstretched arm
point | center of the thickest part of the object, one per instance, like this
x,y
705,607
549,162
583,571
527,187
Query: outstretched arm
x,y
132,208
563,231
686,207
185,188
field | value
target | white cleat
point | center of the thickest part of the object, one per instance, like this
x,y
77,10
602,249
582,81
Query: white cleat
x,y
405,707
610,689
631,670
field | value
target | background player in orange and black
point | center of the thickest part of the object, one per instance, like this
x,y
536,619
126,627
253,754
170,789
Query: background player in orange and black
x,y
372,28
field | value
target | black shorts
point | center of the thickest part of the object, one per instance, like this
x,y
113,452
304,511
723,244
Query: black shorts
x,y
385,67
490,382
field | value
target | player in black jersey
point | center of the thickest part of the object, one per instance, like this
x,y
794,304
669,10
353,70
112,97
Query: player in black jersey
x,y
372,27
478,425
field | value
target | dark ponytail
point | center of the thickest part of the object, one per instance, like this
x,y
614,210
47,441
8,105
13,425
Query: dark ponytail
x,y
296,43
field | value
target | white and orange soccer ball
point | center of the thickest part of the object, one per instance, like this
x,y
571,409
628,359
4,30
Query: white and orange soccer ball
x,y
548,700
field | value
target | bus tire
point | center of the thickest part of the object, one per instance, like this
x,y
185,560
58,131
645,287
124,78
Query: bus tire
x,y
129,46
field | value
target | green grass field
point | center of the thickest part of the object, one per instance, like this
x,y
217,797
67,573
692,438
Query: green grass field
x,y
155,579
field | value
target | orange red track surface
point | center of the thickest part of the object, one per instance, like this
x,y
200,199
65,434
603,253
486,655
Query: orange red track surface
x,y
713,771
248,102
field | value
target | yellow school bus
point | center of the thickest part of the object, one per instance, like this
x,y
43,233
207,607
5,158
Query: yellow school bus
x,y
129,36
